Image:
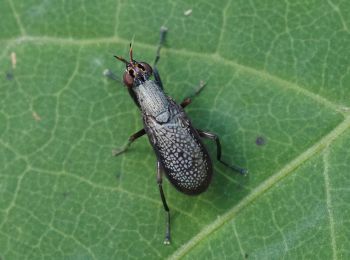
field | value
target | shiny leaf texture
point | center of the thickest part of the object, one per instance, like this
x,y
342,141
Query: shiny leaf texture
x,y
277,94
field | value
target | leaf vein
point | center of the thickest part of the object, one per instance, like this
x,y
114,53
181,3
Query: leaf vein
x,y
329,202
111,189
263,74
17,17
223,27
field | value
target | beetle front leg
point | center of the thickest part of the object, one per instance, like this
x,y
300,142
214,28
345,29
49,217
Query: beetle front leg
x,y
157,78
109,74
214,137
163,31
132,138
165,205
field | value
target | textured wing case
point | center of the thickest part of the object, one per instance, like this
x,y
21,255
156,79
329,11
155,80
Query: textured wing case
x,y
177,144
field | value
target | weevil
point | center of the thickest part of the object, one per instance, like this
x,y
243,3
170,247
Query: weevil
x,y
180,152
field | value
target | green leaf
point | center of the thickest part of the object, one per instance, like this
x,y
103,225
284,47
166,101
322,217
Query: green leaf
x,y
278,96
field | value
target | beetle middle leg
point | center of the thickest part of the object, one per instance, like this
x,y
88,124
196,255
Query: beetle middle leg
x,y
214,137
165,205
132,138
188,100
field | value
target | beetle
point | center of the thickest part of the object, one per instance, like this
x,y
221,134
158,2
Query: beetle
x,y
180,152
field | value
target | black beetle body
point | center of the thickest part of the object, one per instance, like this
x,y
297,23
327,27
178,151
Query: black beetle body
x,y
180,152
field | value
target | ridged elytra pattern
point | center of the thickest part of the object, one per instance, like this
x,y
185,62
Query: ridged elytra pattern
x,y
177,144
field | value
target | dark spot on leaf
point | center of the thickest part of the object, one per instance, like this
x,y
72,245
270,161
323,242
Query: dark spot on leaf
x,y
246,255
66,194
260,141
9,75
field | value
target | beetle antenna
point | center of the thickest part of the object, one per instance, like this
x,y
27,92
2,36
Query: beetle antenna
x,y
121,59
130,52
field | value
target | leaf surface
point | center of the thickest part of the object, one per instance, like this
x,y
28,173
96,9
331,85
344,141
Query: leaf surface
x,y
277,94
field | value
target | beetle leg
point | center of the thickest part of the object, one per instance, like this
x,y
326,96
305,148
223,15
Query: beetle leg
x,y
214,137
109,74
165,205
163,31
188,100
132,138
157,78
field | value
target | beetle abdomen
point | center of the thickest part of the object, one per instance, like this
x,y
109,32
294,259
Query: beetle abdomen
x,y
184,158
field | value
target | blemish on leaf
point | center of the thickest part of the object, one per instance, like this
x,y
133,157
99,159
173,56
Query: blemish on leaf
x,y
66,194
188,12
36,116
118,176
344,109
13,60
260,141
9,75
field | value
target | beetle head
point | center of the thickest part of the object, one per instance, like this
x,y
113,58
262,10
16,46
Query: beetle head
x,y
136,72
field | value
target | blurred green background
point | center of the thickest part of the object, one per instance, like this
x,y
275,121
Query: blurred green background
x,y
278,95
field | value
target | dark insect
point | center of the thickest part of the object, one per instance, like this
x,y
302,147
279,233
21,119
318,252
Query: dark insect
x,y
180,152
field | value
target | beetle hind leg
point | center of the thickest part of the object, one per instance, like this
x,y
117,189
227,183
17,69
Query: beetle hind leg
x,y
214,137
165,204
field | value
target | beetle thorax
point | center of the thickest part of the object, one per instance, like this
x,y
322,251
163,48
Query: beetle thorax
x,y
153,101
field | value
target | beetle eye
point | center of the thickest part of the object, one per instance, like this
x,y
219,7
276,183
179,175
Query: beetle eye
x,y
141,66
128,78
145,67
132,73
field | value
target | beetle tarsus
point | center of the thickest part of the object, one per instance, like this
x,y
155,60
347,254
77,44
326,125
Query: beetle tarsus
x,y
132,138
167,232
163,31
165,204
235,168
214,137
109,74
188,100
202,84
118,151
